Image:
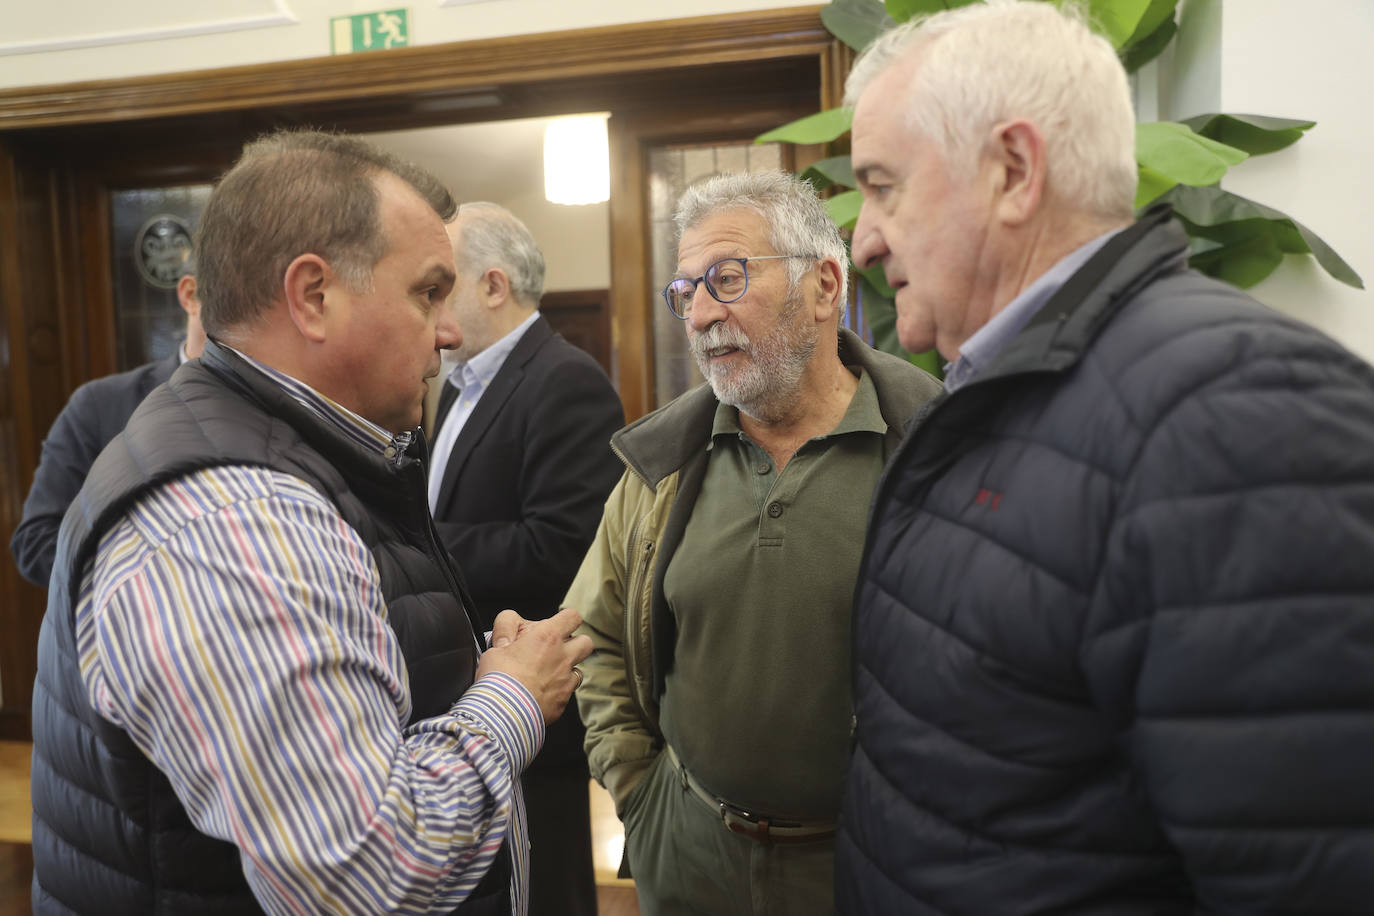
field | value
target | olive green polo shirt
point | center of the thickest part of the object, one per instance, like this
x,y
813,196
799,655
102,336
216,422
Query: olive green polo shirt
x,y
758,703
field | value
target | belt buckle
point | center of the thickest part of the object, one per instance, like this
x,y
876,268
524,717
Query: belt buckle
x,y
738,820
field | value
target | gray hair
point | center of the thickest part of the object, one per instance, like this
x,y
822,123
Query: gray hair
x,y
797,220
493,236
291,193
989,62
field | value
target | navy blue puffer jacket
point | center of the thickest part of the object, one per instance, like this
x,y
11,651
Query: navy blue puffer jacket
x,y
1114,632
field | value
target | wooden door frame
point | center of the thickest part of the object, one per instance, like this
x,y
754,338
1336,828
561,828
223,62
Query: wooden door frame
x,y
62,148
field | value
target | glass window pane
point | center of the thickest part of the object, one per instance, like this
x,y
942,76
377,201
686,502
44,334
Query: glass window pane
x,y
150,237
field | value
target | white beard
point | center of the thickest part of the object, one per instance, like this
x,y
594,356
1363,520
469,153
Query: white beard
x,y
771,375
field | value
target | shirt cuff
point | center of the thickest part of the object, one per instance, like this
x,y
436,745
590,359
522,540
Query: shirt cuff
x,y
503,708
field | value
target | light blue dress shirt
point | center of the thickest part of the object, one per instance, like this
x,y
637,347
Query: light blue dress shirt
x,y
471,379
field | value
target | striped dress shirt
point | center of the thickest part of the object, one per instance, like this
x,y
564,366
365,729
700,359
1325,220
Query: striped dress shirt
x,y
233,624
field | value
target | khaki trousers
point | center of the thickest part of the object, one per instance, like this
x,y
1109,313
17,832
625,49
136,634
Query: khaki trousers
x,y
685,862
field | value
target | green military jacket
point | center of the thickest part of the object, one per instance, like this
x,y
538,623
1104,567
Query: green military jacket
x,y
619,588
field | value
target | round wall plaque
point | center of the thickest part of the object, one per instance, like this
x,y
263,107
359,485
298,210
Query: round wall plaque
x,y
162,249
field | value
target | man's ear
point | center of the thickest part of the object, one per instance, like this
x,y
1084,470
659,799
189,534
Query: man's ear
x,y
1017,151
494,287
306,284
827,278
186,295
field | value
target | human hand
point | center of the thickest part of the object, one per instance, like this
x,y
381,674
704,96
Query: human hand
x,y
541,654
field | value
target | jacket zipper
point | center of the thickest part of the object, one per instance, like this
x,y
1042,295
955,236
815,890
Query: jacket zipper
x,y
643,561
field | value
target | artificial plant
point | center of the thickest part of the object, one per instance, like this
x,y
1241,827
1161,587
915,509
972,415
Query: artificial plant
x,y
1231,238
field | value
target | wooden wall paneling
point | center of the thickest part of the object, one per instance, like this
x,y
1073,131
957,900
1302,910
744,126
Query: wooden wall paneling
x,y
836,63
13,357
16,442
38,329
435,76
583,317
86,287
31,393
631,343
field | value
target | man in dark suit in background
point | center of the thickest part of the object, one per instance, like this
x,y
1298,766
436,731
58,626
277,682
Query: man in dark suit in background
x,y
95,414
521,468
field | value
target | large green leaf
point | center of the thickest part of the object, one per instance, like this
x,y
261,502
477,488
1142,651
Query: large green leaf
x,y
1206,211
1151,184
876,278
931,361
1256,134
1118,19
902,10
837,170
856,22
880,313
844,208
1232,238
817,128
1243,261
1155,16
881,316
1140,53
1284,234
1173,150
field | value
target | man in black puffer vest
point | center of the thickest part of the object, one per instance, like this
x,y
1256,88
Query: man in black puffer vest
x,y
1114,629
259,687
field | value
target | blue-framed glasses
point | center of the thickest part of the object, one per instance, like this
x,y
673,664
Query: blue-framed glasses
x,y
726,280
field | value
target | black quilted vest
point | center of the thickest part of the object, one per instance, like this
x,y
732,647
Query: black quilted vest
x,y
109,835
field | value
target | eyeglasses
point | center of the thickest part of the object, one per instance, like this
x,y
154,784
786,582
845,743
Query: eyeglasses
x,y
726,280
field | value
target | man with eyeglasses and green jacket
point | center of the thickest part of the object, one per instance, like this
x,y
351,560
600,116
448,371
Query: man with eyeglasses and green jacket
x,y
719,587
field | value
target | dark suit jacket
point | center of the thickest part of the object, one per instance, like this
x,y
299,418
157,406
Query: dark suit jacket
x,y
525,484
95,414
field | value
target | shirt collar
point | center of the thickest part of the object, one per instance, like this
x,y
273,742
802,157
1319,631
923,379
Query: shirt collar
x,y
357,429
989,340
863,415
482,368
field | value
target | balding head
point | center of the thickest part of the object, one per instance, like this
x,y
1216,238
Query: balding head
x,y
293,193
500,274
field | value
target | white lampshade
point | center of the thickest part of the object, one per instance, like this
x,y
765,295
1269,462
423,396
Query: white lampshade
x,y
577,164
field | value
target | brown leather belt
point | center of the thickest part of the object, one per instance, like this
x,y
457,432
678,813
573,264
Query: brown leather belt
x,y
758,827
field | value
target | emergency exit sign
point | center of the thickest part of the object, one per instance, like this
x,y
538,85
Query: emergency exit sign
x,y
369,31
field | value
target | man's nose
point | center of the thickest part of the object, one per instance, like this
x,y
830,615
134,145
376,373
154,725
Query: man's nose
x,y
447,334
706,310
866,246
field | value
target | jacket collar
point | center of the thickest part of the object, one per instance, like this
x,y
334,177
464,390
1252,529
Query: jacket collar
x,y
489,406
528,344
351,456
660,443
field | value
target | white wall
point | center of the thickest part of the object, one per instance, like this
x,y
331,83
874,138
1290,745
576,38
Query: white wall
x,y
503,162
1307,60
61,41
